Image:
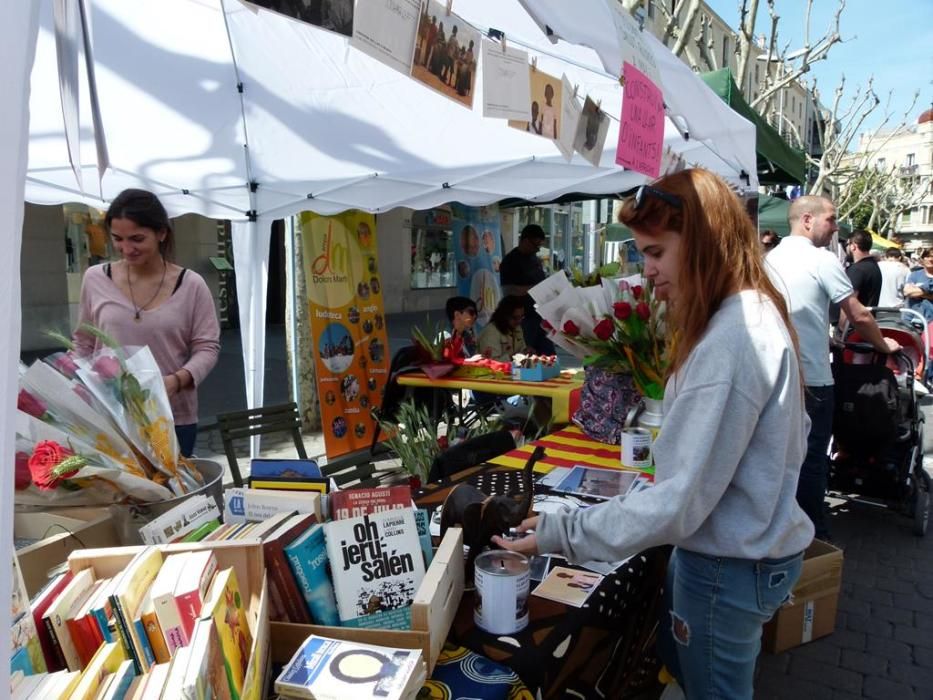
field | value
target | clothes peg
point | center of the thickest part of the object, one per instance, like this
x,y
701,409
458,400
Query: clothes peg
x,y
450,6
534,63
503,42
622,80
575,88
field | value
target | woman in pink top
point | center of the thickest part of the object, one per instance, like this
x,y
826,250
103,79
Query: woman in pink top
x,y
144,299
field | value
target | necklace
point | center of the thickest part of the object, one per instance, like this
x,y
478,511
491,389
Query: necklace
x,y
129,283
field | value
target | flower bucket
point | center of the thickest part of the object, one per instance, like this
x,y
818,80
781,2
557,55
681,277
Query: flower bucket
x,y
605,400
129,518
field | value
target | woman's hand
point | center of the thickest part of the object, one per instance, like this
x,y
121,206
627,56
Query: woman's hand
x,y
526,545
172,384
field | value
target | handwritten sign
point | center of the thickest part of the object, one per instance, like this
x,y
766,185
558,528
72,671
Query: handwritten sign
x,y
506,84
634,45
641,133
386,31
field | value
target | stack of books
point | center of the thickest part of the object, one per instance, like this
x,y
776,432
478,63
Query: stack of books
x,y
331,669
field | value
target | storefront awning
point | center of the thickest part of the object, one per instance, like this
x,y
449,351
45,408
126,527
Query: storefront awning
x,y
778,163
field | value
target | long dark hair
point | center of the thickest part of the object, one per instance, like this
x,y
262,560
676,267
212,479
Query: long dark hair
x,y
720,253
503,314
144,209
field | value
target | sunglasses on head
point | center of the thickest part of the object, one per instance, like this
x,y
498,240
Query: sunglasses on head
x,y
642,193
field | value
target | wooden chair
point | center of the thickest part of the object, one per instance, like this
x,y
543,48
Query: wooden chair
x,y
258,421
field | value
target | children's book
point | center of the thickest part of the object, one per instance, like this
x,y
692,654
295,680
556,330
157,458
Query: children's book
x,y
127,596
377,566
225,607
329,668
568,586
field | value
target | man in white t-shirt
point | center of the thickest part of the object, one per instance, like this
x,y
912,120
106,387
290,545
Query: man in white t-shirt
x,y
893,276
810,277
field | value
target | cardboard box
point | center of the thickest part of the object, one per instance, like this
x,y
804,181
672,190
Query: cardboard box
x,y
247,561
432,612
58,532
811,613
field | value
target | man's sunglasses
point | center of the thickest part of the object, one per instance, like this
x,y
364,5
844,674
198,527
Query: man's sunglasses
x,y
642,193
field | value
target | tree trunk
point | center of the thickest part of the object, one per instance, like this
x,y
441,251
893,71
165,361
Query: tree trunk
x,y
308,403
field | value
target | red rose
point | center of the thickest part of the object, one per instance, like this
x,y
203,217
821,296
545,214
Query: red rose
x,y
546,325
27,403
571,328
643,311
636,291
23,476
107,366
45,457
604,329
622,310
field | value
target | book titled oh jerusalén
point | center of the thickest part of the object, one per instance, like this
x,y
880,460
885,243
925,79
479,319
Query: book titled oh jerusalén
x,y
377,566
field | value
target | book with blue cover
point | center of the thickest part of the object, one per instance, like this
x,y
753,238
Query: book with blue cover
x,y
422,520
307,557
284,469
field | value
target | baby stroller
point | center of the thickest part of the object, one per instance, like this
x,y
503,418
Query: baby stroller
x,y
877,446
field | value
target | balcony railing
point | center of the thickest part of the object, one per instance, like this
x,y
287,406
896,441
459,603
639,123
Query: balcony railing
x,y
907,170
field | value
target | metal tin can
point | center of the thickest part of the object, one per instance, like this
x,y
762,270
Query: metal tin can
x,y
502,582
636,447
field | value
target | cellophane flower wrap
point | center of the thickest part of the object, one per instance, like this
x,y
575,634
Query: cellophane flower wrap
x,y
54,467
616,324
129,384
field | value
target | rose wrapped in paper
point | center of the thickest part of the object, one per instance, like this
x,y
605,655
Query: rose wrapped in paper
x,y
614,324
61,469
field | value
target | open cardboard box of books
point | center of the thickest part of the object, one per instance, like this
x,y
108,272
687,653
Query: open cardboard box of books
x,y
247,562
58,533
432,612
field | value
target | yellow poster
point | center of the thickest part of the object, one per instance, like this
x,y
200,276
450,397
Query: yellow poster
x,y
347,324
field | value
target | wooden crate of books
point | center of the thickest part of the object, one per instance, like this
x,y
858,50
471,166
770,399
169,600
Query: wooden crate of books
x,y
432,612
246,560
57,533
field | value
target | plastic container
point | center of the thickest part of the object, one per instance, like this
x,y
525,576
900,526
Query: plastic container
x,y
538,373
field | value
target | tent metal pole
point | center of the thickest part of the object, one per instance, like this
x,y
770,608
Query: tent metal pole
x,y
291,283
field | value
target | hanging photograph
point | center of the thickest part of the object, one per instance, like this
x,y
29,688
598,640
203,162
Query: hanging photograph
x,y
569,117
546,92
386,31
332,15
446,54
591,132
506,84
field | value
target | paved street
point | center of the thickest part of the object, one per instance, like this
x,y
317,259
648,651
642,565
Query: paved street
x,y
883,644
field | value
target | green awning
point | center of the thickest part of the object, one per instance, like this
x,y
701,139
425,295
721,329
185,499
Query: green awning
x,y
778,163
618,232
772,214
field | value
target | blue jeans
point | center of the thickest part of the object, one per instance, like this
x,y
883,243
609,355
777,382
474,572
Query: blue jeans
x,y
714,609
187,435
811,486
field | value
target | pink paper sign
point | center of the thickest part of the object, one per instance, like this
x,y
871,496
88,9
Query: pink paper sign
x,y
641,132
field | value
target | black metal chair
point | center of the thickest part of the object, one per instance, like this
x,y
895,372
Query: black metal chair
x,y
258,421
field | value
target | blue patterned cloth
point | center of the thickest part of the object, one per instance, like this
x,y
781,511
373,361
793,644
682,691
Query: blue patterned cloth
x,y
462,674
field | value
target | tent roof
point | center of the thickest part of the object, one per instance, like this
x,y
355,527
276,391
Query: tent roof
x,y
321,126
778,163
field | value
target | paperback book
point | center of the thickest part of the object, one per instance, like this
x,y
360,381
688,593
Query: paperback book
x,y
377,566
328,669
568,586
353,503
597,483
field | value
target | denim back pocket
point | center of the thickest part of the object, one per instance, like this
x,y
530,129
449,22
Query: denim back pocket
x,y
775,580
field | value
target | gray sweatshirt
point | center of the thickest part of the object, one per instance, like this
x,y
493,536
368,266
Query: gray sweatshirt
x,y
727,458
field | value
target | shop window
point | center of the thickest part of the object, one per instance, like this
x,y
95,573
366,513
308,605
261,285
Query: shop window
x,y
432,252
87,241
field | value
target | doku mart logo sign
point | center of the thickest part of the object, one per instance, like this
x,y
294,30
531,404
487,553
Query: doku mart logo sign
x,y
333,261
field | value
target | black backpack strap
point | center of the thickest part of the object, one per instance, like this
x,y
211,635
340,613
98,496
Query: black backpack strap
x,y
107,271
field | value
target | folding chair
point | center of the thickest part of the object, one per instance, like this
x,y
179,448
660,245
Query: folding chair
x,y
258,421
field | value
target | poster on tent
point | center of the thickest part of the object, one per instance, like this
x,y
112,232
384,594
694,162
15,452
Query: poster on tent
x,y
592,129
506,83
641,126
344,288
477,244
386,31
545,107
332,15
446,54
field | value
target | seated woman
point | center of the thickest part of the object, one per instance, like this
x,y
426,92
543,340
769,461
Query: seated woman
x,y
503,337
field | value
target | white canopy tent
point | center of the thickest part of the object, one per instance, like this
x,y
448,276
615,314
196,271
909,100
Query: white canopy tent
x,y
242,114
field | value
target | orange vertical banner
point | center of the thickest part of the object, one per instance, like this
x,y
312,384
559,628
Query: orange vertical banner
x,y
348,328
